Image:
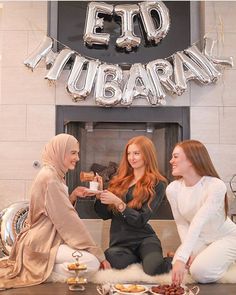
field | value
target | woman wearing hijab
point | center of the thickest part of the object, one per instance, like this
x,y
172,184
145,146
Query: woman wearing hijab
x,y
54,230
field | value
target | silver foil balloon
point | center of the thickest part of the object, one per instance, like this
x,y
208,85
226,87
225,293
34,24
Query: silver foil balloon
x,y
208,51
41,52
50,58
161,72
108,86
138,85
80,92
186,69
155,34
128,39
203,62
12,222
93,22
193,72
60,62
179,74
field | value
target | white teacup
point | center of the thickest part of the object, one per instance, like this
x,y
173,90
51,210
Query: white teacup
x,y
93,185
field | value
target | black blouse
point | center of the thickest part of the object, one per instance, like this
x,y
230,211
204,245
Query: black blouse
x,y
131,226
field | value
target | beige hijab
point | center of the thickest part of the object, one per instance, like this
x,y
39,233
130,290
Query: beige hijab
x,y
55,150
51,223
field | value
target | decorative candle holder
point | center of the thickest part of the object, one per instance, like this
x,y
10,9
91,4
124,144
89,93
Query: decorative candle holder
x,y
77,282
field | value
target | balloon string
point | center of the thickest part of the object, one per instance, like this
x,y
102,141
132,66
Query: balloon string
x,y
219,32
197,43
222,41
221,38
222,30
55,40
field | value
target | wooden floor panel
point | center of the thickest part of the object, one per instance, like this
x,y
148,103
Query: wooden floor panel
x,y
62,289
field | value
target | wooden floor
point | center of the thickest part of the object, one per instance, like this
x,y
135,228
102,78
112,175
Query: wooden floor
x,y
62,289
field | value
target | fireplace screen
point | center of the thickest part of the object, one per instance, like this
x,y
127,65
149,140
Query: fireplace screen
x,y
102,142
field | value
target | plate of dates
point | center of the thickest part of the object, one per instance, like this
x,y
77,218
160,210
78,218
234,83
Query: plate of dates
x,y
172,289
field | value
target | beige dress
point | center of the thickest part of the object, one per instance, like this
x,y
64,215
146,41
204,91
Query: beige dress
x,y
52,221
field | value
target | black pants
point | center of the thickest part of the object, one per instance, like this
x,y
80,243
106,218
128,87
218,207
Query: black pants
x,y
148,252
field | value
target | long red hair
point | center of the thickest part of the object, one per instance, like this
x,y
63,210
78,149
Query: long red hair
x,y
144,188
198,155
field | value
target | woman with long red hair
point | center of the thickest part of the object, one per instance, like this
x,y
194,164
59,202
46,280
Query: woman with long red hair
x,y
133,195
199,204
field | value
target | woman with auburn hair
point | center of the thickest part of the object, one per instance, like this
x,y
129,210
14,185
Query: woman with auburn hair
x,y
130,201
199,204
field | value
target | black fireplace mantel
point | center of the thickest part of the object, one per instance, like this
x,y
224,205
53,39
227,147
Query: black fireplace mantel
x,y
179,115
70,119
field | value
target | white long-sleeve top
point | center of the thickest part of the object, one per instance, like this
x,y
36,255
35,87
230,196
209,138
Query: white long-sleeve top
x,y
199,214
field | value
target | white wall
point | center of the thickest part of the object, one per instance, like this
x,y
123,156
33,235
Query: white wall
x,y
27,101
213,108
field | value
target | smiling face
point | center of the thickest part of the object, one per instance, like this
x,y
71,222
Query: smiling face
x,y
180,164
71,158
135,157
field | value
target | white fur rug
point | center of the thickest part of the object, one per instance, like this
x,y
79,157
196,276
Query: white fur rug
x,y
134,273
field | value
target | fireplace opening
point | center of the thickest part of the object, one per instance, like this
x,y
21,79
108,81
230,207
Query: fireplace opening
x,y
103,134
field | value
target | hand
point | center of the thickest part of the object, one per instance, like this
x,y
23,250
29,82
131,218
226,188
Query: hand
x,y
105,265
108,198
99,179
178,272
79,191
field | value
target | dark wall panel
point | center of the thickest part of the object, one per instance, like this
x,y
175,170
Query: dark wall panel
x,y
71,23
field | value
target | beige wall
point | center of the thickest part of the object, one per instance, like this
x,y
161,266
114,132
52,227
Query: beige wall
x,y
27,102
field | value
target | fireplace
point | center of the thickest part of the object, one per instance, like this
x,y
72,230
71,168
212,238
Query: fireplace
x,y
104,132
